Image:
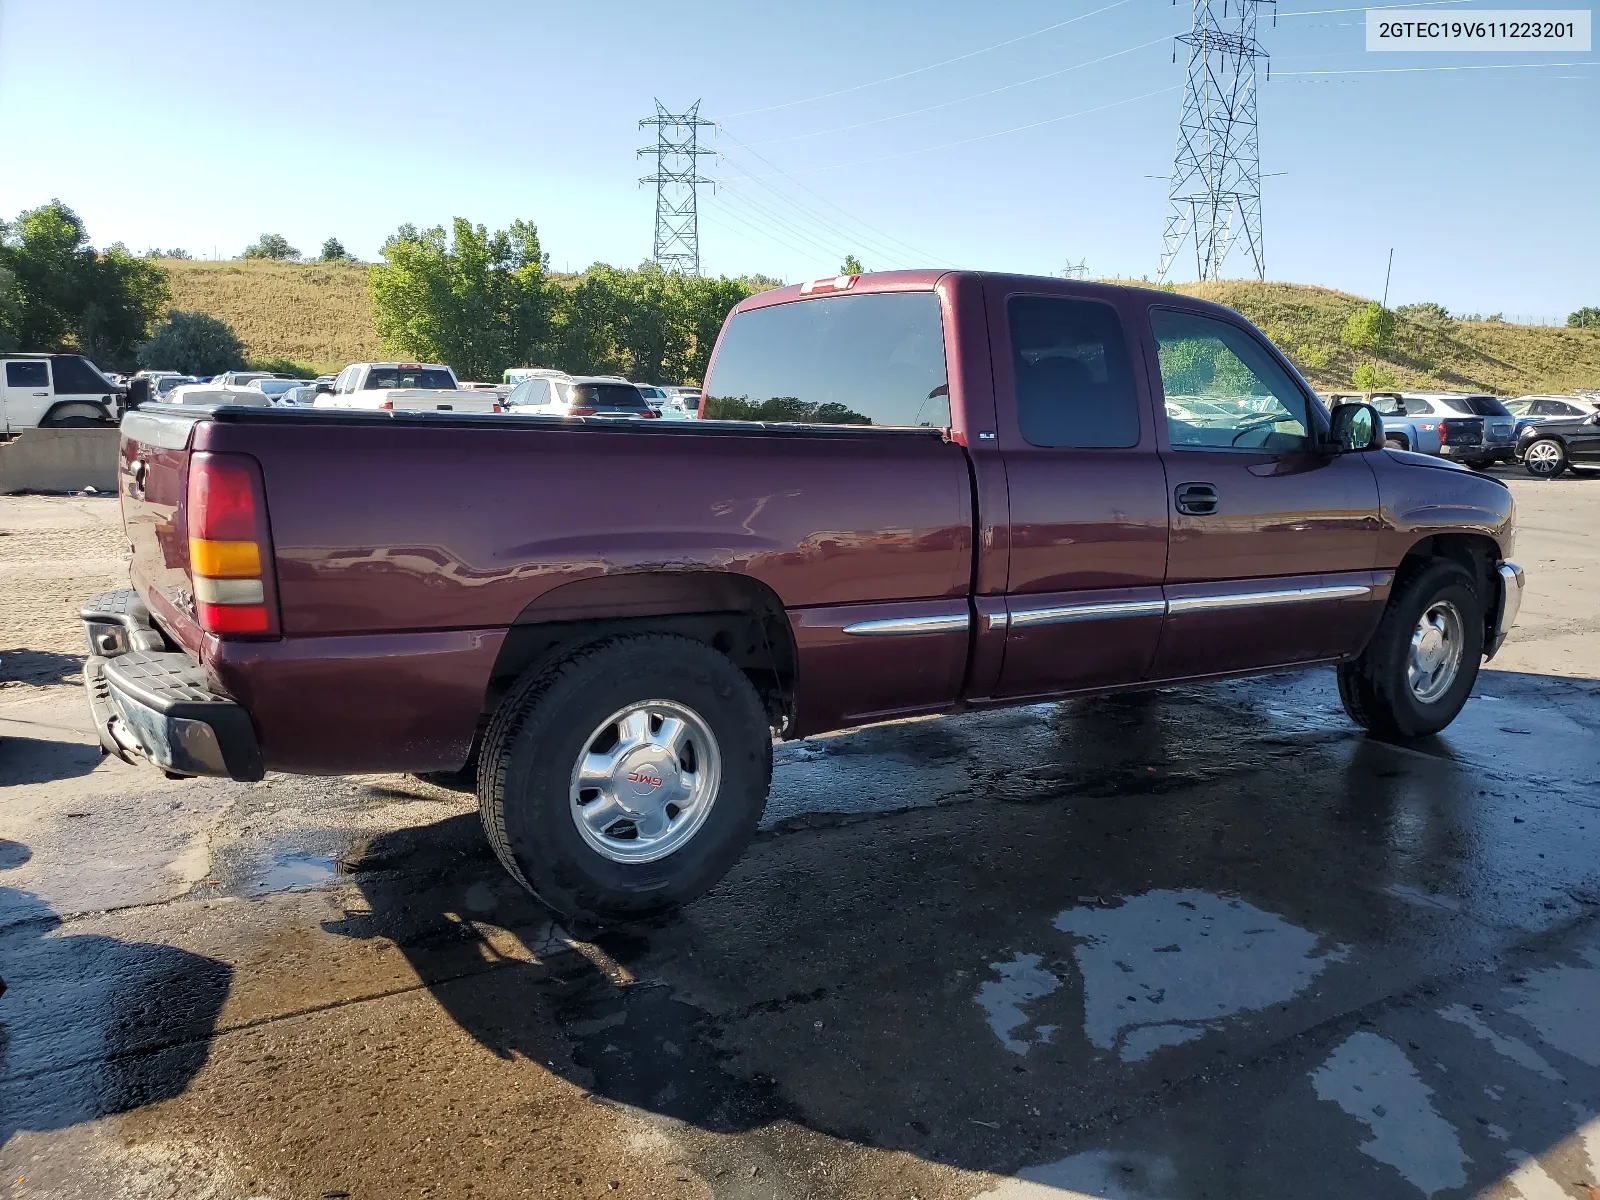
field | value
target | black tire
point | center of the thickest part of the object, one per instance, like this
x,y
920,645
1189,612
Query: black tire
x,y
1480,464
1542,471
1374,687
1395,443
533,744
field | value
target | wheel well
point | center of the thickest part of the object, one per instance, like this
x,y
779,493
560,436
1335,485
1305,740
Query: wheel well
x,y
733,614
66,408
1476,553
1398,436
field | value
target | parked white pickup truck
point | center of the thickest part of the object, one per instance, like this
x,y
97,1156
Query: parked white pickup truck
x,y
53,390
408,387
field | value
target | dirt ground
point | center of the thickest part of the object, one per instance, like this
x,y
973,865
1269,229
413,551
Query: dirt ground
x,y
1210,943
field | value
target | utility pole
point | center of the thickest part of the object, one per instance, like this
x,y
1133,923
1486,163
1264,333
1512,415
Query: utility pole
x,y
1387,273
1215,192
677,153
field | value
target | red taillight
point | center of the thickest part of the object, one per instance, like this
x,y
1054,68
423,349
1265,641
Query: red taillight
x,y
581,412
387,405
222,498
650,412
229,554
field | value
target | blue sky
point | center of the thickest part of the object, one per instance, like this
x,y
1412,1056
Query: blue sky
x,y
200,124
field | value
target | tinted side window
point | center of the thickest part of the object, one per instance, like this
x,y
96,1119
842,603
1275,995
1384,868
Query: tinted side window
x,y
1223,390
1074,376
840,360
27,374
1418,408
76,377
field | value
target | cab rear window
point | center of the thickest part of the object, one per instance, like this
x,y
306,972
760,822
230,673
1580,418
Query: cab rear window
x,y
405,377
874,359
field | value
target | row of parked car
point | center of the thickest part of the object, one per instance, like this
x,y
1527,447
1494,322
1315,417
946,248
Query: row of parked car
x,y
1544,433
397,386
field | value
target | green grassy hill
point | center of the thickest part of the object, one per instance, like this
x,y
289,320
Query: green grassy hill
x,y
320,314
1488,356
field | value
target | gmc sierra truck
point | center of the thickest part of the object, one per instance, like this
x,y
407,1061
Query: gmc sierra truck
x,y
910,493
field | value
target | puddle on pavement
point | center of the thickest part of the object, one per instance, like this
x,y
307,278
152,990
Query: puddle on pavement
x,y
1160,969
1372,1079
293,871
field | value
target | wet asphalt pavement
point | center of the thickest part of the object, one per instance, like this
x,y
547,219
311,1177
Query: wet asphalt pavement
x,y
1206,943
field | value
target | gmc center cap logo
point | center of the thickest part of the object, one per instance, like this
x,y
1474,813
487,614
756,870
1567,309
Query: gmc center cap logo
x,y
644,777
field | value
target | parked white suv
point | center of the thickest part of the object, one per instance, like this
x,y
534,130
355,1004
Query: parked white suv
x,y
54,391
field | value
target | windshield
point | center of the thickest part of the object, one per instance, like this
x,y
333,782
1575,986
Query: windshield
x,y
1477,406
276,387
431,378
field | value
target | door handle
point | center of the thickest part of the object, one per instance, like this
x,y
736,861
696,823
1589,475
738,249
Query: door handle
x,y
1196,499
45,395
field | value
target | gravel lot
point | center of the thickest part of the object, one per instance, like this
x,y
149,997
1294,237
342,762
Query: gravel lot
x,y
1211,943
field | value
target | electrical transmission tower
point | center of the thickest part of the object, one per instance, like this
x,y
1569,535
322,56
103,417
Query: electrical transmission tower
x,y
1215,191
1076,270
677,153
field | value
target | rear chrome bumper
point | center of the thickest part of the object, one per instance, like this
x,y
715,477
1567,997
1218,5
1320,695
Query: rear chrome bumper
x,y
1507,607
152,704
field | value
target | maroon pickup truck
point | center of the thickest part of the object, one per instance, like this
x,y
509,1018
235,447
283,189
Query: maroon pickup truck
x,y
910,493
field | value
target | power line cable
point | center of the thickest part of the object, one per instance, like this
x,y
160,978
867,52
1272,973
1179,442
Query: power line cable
x,y
931,66
795,137
983,137
918,253
1415,70
783,225
711,216
823,229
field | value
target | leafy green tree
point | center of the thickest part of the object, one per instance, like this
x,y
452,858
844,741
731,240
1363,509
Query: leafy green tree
x,y
1370,327
476,301
194,343
333,251
1584,318
62,294
851,266
273,246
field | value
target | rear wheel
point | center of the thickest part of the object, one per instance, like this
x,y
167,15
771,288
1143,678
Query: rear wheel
x,y
1395,443
1419,668
1480,464
1545,458
628,778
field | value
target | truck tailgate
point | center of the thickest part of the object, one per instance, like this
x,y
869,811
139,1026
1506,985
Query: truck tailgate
x,y
152,474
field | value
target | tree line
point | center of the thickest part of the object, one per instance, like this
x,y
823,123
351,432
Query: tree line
x,y
483,302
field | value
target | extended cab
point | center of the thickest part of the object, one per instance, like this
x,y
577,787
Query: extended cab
x,y
405,387
911,493
54,390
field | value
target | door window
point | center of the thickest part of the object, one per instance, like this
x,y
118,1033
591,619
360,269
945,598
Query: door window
x,y
1223,390
35,375
1074,376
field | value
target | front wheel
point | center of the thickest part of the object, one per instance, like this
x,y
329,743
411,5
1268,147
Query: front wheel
x,y
1545,458
1480,464
628,778
1418,670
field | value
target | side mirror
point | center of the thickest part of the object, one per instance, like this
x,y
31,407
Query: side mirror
x,y
1356,427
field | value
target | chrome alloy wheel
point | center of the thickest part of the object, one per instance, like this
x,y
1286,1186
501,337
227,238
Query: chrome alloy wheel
x,y
1543,458
1436,646
645,781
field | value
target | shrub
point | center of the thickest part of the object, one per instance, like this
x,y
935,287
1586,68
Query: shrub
x,y
1369,378
1315,357
1584,318
1370,327
1427,313
193,343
